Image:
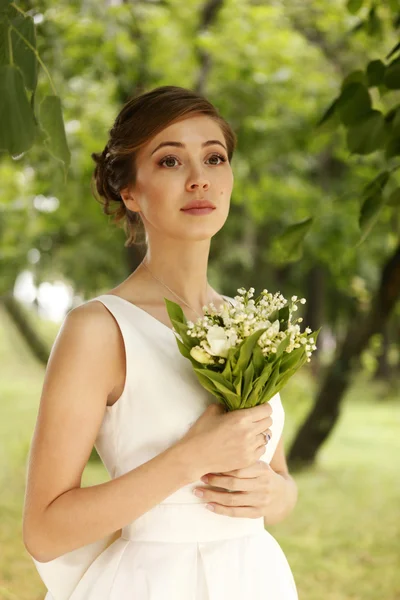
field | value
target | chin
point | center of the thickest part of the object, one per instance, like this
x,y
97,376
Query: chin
x,y
201,231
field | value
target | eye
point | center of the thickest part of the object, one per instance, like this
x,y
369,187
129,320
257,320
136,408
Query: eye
x,y
222,158
161,162
171,157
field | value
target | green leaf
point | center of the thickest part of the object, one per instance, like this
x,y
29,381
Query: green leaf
x,y
354,103
353,6
367,136
185,351
238,384
175,312
290,360
262,380
52,123
282,346
24,57
209,386
288,246
394,198
392,147
369,213
394,50
247,383
357,76
269,390
218,380
181,328
376,185
283,317
374,23
4,44
330,119
227,372
392,75
17,125
258,360
375,73
396,122
246,349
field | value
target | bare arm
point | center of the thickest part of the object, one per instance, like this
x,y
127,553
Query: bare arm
x,y
59,515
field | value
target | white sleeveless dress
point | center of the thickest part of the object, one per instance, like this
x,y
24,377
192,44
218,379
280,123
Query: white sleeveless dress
x,y
178,550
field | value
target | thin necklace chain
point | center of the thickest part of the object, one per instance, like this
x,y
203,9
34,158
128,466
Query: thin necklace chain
x,y
172,291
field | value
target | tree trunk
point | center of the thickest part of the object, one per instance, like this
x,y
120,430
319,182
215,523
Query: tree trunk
x,y
18,316
314,315
323,416
383,370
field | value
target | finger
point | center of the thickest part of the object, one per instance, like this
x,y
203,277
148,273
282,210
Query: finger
x,y
253,470
257,413
250,512
236,484
262,425
225,498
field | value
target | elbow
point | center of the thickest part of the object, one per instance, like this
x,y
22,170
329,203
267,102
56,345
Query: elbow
x,y
35,543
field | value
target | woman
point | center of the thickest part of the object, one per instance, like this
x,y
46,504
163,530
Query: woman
x,y
116,380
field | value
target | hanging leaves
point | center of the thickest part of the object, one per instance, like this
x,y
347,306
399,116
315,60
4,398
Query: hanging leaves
x,y
18,76
373,202
354,103
288,246
367,136
353,6
17,130
52,122
375,73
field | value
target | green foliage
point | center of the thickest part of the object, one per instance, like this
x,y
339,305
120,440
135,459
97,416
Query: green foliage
x,y
18,129
19,122
288,245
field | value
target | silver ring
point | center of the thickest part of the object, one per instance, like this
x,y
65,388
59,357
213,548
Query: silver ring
x,y
267,437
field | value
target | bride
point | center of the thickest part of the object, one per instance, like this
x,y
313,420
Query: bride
x,y
165,527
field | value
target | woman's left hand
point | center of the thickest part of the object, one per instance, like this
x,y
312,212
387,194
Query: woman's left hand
x,y
258,492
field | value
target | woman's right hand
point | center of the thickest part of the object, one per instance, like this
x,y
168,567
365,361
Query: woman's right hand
x,y
223,440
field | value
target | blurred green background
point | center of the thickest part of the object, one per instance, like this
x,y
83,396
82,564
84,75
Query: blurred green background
x,y
312,91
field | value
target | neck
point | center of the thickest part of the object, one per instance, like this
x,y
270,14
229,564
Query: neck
x,y
183,268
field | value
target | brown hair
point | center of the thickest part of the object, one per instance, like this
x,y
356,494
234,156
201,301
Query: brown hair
x,y
140,119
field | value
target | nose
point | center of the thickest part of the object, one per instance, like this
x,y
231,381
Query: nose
x,y
198,180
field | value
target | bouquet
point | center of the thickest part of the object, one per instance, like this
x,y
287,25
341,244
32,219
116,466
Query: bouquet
x,y
244,353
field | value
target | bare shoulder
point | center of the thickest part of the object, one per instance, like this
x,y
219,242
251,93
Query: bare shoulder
x,y
93,319
79,377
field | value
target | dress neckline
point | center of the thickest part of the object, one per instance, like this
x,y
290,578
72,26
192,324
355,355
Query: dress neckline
x,y
148,314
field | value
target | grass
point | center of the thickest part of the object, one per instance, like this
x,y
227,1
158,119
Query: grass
x,y
342,538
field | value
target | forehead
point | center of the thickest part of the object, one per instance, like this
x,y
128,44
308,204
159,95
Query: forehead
x,y
193,130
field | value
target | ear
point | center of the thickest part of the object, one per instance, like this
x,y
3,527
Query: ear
x,y
129,200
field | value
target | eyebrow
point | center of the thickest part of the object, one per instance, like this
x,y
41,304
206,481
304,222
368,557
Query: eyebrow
x,y
180,145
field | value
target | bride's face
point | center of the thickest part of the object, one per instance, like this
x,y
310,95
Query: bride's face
x,y
187,160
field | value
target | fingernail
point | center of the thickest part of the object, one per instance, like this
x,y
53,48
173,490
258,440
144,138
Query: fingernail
x,y
198,493
210,507
205,479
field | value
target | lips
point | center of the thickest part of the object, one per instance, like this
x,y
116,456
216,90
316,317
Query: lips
x,y
198,204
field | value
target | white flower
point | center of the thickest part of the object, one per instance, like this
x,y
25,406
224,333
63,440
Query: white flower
x,y
294,298
273,330
220,340
201,355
